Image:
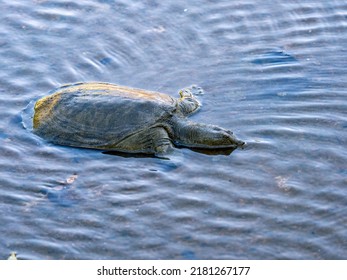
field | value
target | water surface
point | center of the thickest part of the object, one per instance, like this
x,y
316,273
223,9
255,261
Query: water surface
x,y
274,73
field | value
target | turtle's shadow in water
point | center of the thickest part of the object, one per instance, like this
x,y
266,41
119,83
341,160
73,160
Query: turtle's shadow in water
x,y
214,152
171,161
211,152
129,155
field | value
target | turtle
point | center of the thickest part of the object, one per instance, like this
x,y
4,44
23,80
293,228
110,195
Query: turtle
x,y
112,117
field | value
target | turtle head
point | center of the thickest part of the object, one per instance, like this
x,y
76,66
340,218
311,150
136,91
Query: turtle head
x,y
215,137
187,104
206,136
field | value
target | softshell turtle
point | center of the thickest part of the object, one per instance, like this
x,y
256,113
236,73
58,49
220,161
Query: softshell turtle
x,y
118,118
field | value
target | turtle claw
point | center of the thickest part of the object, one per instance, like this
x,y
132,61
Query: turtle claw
x,y
196,90
191,91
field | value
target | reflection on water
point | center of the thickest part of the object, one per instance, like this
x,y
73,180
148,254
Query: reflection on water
x,y
272,73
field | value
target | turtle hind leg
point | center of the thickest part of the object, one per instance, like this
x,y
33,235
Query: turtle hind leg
x,y
154,140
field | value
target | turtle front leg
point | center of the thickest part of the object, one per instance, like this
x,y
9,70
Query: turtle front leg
x,y
154,140
161,142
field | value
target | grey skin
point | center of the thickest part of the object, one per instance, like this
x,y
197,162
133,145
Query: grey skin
x,y
117,118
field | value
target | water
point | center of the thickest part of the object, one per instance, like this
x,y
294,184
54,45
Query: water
x,y
274,73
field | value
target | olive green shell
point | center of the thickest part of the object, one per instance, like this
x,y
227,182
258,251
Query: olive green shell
x,y
99,114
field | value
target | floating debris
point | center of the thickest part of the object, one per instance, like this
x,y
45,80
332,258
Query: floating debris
x,y
71,179
13,256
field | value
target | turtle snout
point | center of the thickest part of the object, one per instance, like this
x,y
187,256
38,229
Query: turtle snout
x,y
234,141
218,137
240,143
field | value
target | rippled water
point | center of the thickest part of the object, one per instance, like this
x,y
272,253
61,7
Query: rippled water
x,y
274,73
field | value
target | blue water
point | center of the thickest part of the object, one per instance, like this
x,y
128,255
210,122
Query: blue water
x,y
274,73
